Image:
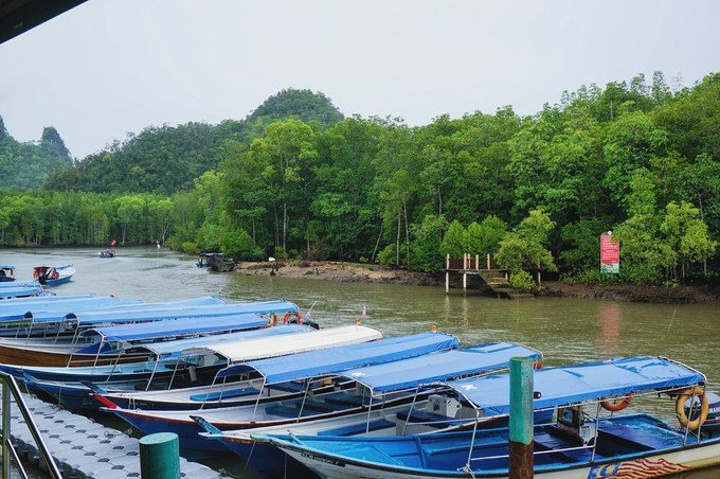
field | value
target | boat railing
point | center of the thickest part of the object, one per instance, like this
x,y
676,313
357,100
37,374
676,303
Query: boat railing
x,y
10,387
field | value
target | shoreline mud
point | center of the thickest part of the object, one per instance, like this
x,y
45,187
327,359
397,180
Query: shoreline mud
x,y
359,273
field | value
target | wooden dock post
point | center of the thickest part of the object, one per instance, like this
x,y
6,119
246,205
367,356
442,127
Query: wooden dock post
x,y
447,273
160,456
466,260
488,261
521,418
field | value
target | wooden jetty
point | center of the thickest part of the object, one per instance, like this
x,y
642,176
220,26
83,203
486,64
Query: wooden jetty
x,y
496,279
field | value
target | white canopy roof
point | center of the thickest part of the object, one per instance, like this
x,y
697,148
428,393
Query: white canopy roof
x,y
273,346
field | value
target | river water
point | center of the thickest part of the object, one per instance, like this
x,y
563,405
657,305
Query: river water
x,y
566,330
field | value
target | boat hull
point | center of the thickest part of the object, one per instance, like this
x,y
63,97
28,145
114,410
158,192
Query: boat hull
x,y
34,357
654,465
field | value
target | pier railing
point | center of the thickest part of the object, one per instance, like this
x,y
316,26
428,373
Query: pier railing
x,y
10,387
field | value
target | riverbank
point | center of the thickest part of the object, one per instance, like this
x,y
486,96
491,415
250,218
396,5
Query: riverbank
x,y
360,273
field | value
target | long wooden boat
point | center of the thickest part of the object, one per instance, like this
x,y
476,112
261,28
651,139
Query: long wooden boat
x,y
230,387
102,345
580,444
54,275
405,377
429,412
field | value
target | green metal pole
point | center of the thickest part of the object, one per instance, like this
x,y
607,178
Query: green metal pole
x,y
160,456
521,418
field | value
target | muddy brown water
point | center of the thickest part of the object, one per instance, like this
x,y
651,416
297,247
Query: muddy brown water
x,y
566,330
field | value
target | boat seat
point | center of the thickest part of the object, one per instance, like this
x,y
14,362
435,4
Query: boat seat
x,y
218,395
360,428
638,439
345,399
291,387
429,418
547,442
319,406
287,411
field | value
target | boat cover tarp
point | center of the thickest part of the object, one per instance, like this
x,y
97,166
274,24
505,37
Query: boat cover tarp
x,y
45,299
191,346
269,347
61,308
337,359
20,291
61,314
580,383
15,284
176,327
410,373
123,315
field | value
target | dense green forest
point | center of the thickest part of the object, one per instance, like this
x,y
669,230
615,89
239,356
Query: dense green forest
x,y
28,165
296,179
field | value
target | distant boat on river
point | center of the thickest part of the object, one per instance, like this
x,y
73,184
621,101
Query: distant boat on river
x,y
53,275
7,273
107,253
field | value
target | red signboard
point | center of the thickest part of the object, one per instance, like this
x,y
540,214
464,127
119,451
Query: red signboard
x,y
609,254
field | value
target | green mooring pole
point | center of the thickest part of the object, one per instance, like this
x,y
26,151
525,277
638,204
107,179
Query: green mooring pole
x,y
521,418
160,456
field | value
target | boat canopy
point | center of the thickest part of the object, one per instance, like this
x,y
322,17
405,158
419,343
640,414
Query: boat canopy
x,y
411,373
125,315
7,266
61,308
270,347
120,307
176,327
580,383
19,290
331,361
44,299
196,346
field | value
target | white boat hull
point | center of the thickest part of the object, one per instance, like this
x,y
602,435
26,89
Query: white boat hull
x,y
655,465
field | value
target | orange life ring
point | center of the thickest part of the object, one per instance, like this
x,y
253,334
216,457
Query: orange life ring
x,y
274,320
680,408
290,314
618,405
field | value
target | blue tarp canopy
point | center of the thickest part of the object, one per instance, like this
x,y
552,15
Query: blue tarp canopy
x,y
330,361
60,308
580,383
44,299
124,315
17,284
410,373
60,313
163,349
6,266
177,327
20,291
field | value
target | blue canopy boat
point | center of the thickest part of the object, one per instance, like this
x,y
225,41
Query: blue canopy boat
x,y
272,371
17,290
428,413
54,322
334,403
53,275
169,368
578,445
7,273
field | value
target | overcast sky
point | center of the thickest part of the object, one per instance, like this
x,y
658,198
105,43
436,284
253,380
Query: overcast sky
x,y
108,67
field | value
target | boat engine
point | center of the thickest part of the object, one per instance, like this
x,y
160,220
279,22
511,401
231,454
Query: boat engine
x,y
712,423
